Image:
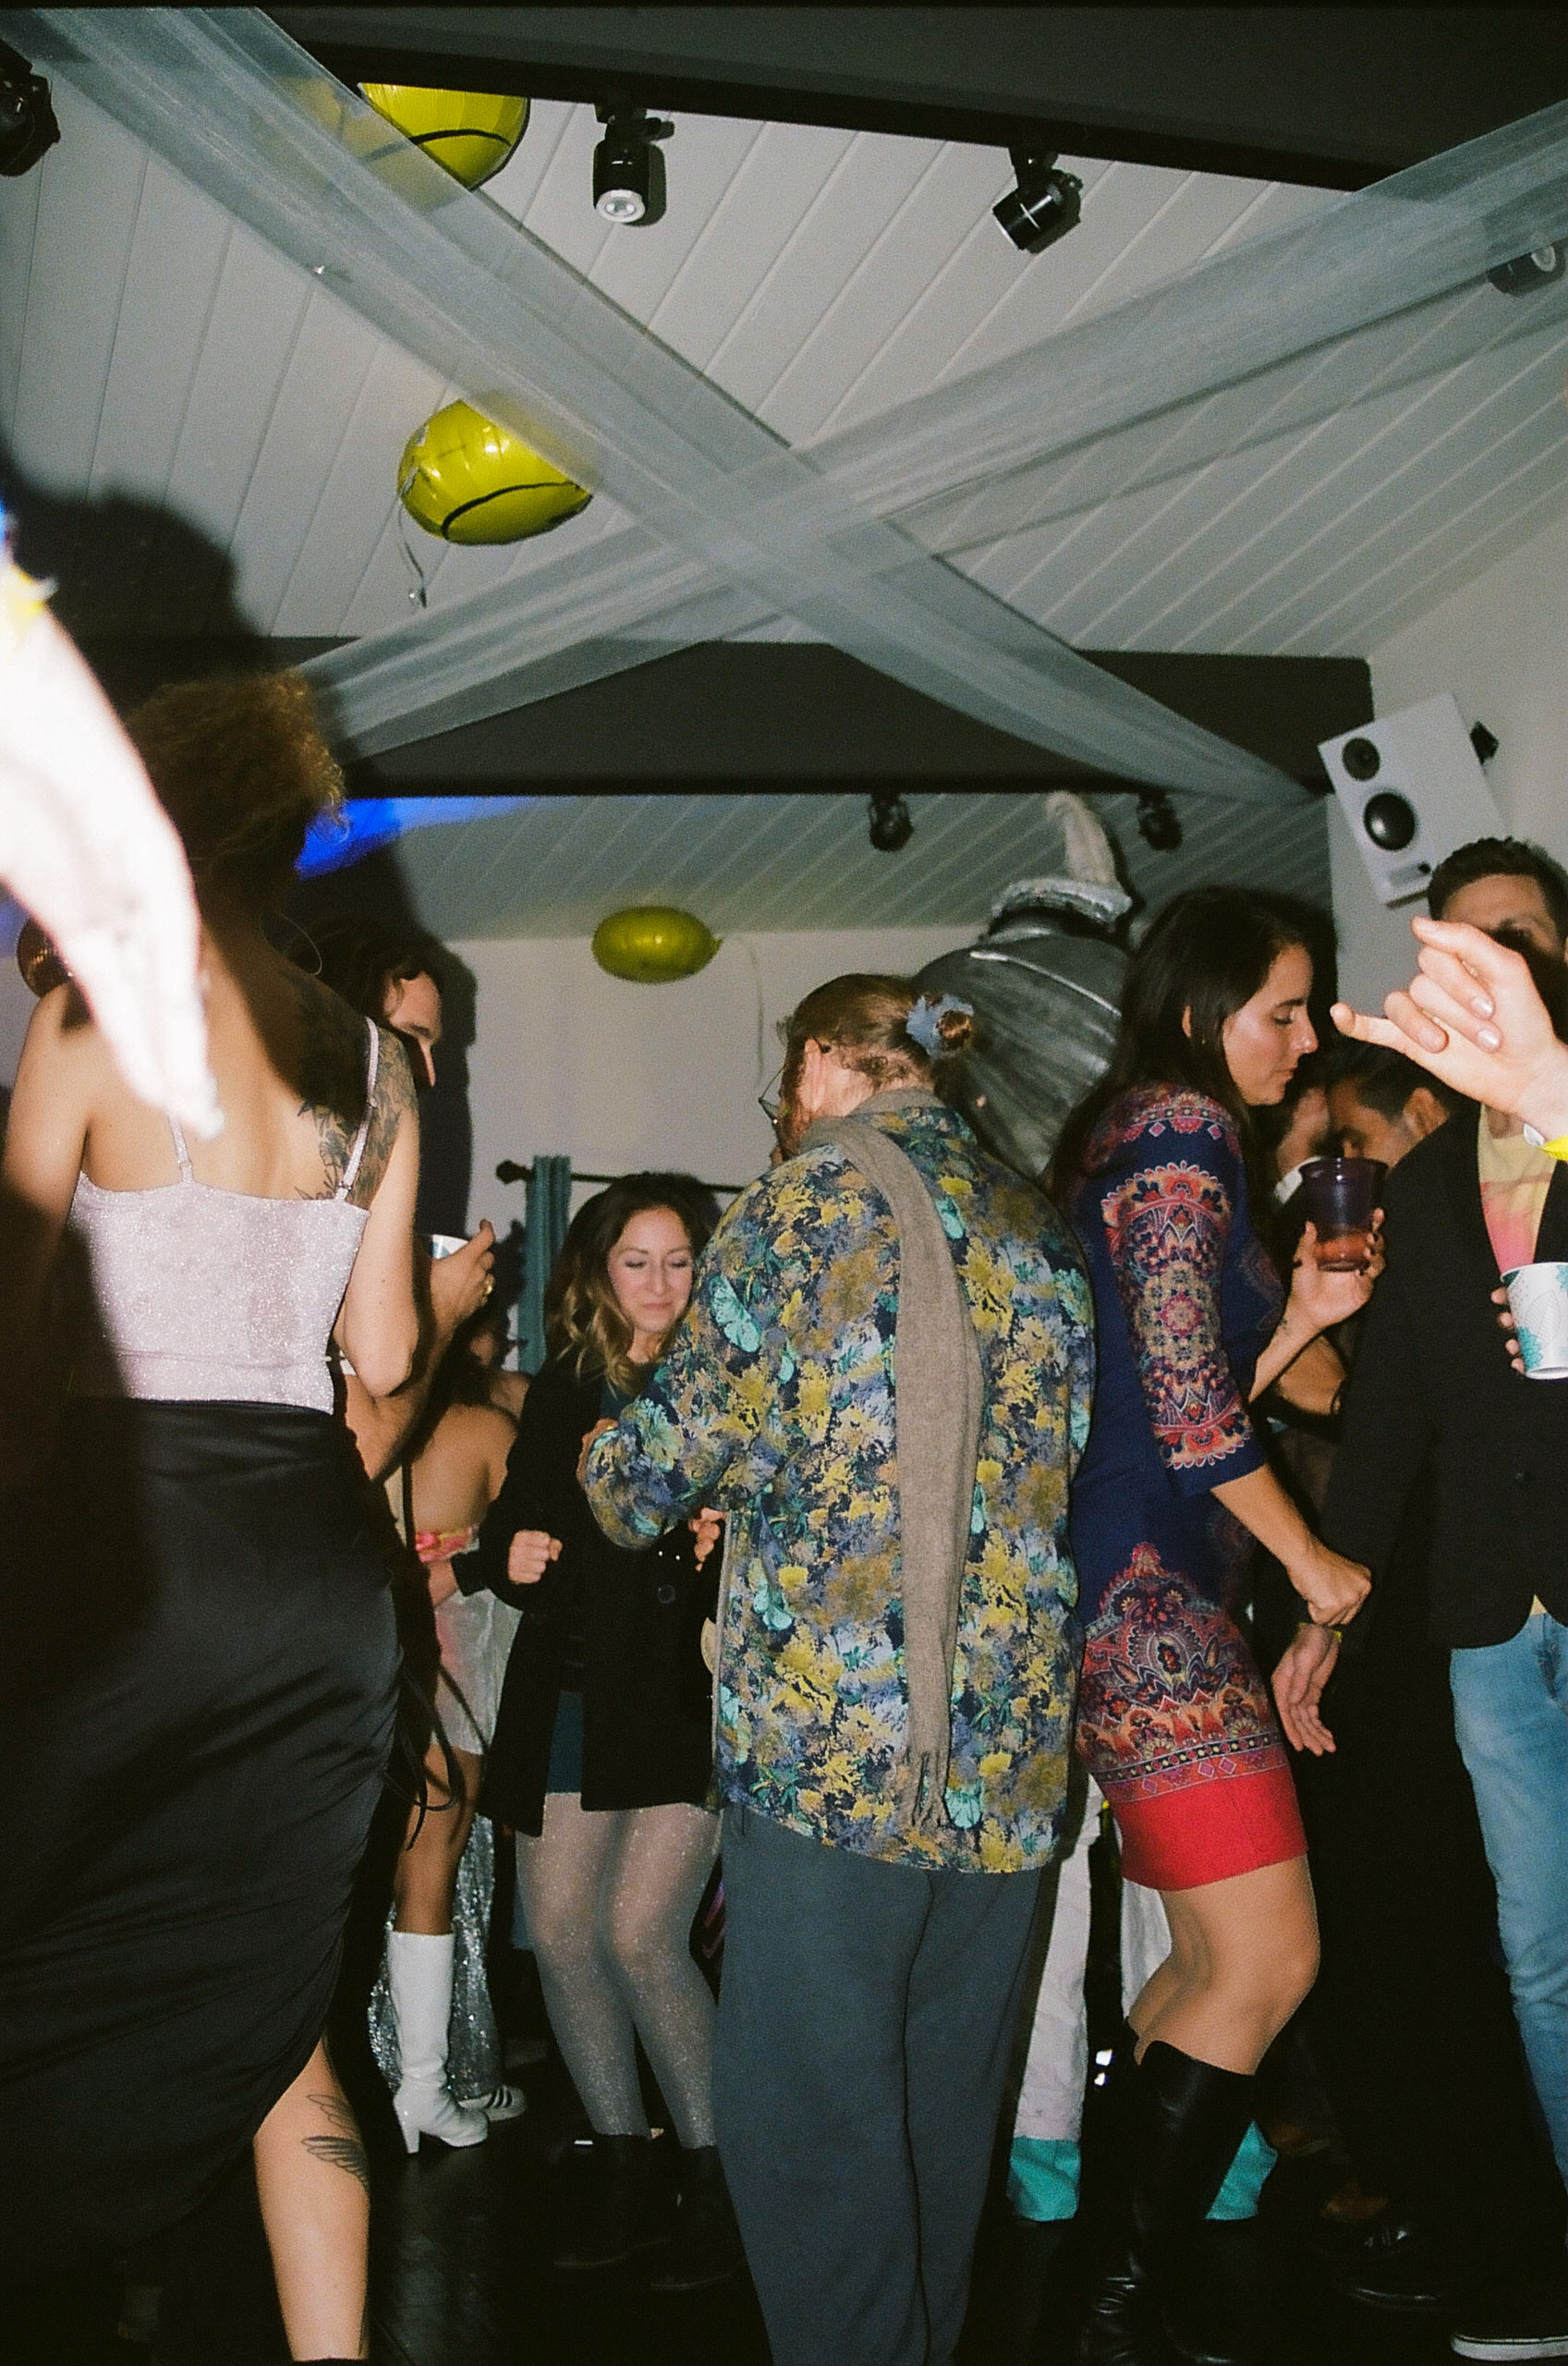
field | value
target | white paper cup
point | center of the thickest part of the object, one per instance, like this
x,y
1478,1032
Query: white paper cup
x,y
445,1244
1537,1300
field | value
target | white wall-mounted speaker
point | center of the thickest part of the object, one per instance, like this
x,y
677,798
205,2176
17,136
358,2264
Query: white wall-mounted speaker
x,y
1412,788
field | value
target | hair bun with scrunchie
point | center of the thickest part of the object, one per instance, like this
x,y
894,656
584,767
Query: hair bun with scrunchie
x,y
941,1027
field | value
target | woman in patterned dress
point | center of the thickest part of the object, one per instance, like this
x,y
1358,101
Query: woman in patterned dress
x,y
1173,1722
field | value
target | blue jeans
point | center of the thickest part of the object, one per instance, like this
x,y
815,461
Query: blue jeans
x,y
1511,1716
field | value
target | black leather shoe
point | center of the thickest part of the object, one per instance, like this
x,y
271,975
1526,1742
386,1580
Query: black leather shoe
x,y
1394,2265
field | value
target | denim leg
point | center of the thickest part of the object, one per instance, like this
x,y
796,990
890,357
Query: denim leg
x,y
1511,1716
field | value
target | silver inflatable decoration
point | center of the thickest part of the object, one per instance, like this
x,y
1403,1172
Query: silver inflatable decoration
x,y
1045,981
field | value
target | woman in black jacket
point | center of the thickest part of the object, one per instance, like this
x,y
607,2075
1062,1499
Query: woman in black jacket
x,y
601,1753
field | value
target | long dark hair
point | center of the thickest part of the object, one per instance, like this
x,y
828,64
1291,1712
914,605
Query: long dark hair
x,y
1208,952
582,1314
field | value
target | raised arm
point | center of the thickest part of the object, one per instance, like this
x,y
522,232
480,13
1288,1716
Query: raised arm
x,y
447,1292
1168,1216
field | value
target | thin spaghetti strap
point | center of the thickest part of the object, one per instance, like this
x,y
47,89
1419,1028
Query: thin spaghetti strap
x,y
185,1175
373,1068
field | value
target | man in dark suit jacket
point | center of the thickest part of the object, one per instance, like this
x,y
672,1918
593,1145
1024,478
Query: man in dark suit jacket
x,y
1436,1411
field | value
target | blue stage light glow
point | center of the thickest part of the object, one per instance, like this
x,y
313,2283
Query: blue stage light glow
x,y
366,823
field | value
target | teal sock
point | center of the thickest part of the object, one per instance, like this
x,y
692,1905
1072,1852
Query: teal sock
x,y
1238,2198
1042,2178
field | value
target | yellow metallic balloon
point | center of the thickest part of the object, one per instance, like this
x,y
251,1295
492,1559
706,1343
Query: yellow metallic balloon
x,y
652,943
468,480
472,133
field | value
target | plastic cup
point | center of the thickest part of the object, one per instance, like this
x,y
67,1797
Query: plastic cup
x,y
1339,1197
1537,1300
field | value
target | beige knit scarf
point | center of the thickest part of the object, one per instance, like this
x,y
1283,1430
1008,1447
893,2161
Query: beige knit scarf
x,y
937,1400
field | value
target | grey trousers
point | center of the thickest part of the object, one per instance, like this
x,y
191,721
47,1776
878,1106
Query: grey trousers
x,y
864,2021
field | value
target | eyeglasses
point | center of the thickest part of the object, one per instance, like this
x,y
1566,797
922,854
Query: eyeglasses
x,y
768,1098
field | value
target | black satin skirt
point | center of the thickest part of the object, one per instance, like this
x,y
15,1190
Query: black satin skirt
x,y
200,1671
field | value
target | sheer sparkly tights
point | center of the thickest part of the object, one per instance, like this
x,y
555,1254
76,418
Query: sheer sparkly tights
x,y
610,1895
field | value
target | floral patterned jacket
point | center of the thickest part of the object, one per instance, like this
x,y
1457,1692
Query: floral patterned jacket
x,y
775,1406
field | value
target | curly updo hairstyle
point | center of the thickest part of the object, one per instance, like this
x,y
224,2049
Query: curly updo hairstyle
x,y
242,770
582,1314
863,1019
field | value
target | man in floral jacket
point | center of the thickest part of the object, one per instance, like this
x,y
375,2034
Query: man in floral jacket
x,y
883,1837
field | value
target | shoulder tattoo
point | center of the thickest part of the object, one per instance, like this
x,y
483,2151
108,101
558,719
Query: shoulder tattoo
x,y
332,1088
394,1100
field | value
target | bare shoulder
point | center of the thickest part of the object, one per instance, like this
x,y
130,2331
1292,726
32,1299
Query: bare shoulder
x,y
64,1051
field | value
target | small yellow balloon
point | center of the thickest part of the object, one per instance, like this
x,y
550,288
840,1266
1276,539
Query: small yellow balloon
x,y
652,945
468,480
472,133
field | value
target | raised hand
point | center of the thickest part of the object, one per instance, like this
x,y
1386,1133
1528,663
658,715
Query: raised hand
x,y
460,1283
1471,1016
1322,1298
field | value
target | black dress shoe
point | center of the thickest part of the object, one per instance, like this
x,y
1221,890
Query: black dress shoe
x,y
1394,2265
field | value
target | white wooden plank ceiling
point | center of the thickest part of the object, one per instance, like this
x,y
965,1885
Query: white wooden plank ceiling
x,y
766,862
152,348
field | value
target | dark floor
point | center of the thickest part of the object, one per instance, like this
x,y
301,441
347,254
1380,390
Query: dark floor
x,y
461,2279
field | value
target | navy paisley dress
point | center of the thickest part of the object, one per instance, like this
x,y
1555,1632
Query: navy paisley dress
x,y
1174,1723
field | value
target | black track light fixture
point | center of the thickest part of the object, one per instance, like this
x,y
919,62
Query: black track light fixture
x,y
628,170
28,128
1045,206
888,816
1158,823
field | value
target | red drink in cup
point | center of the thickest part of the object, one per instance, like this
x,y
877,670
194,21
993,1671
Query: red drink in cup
x,y
1339,1197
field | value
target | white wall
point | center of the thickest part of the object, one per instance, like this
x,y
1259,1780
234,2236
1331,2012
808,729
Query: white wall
x,y
1500,646
622,1076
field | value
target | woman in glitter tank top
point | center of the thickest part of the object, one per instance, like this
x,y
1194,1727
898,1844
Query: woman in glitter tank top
x,y
198,1625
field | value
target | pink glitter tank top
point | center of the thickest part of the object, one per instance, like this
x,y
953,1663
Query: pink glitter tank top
x,y
198,1293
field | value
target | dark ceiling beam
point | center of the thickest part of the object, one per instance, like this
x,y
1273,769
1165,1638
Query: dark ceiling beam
x,y
772,716
1330,97
778,716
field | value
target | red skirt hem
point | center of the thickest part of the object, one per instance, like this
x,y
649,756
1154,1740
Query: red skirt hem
x,y
1208,1830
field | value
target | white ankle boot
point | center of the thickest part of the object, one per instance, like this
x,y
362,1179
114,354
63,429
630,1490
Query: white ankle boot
x,y
419,1976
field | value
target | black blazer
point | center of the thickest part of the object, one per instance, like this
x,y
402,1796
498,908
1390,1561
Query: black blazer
x,y
1434,1404
646,1695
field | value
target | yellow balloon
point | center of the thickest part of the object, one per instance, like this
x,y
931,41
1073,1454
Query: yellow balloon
x,y
472,133
468,480
652,943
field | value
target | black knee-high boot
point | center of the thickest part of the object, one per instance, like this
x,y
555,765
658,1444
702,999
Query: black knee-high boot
x,y
1185,2123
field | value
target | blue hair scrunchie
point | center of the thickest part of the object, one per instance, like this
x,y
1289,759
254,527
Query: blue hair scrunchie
x,y
924,1022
